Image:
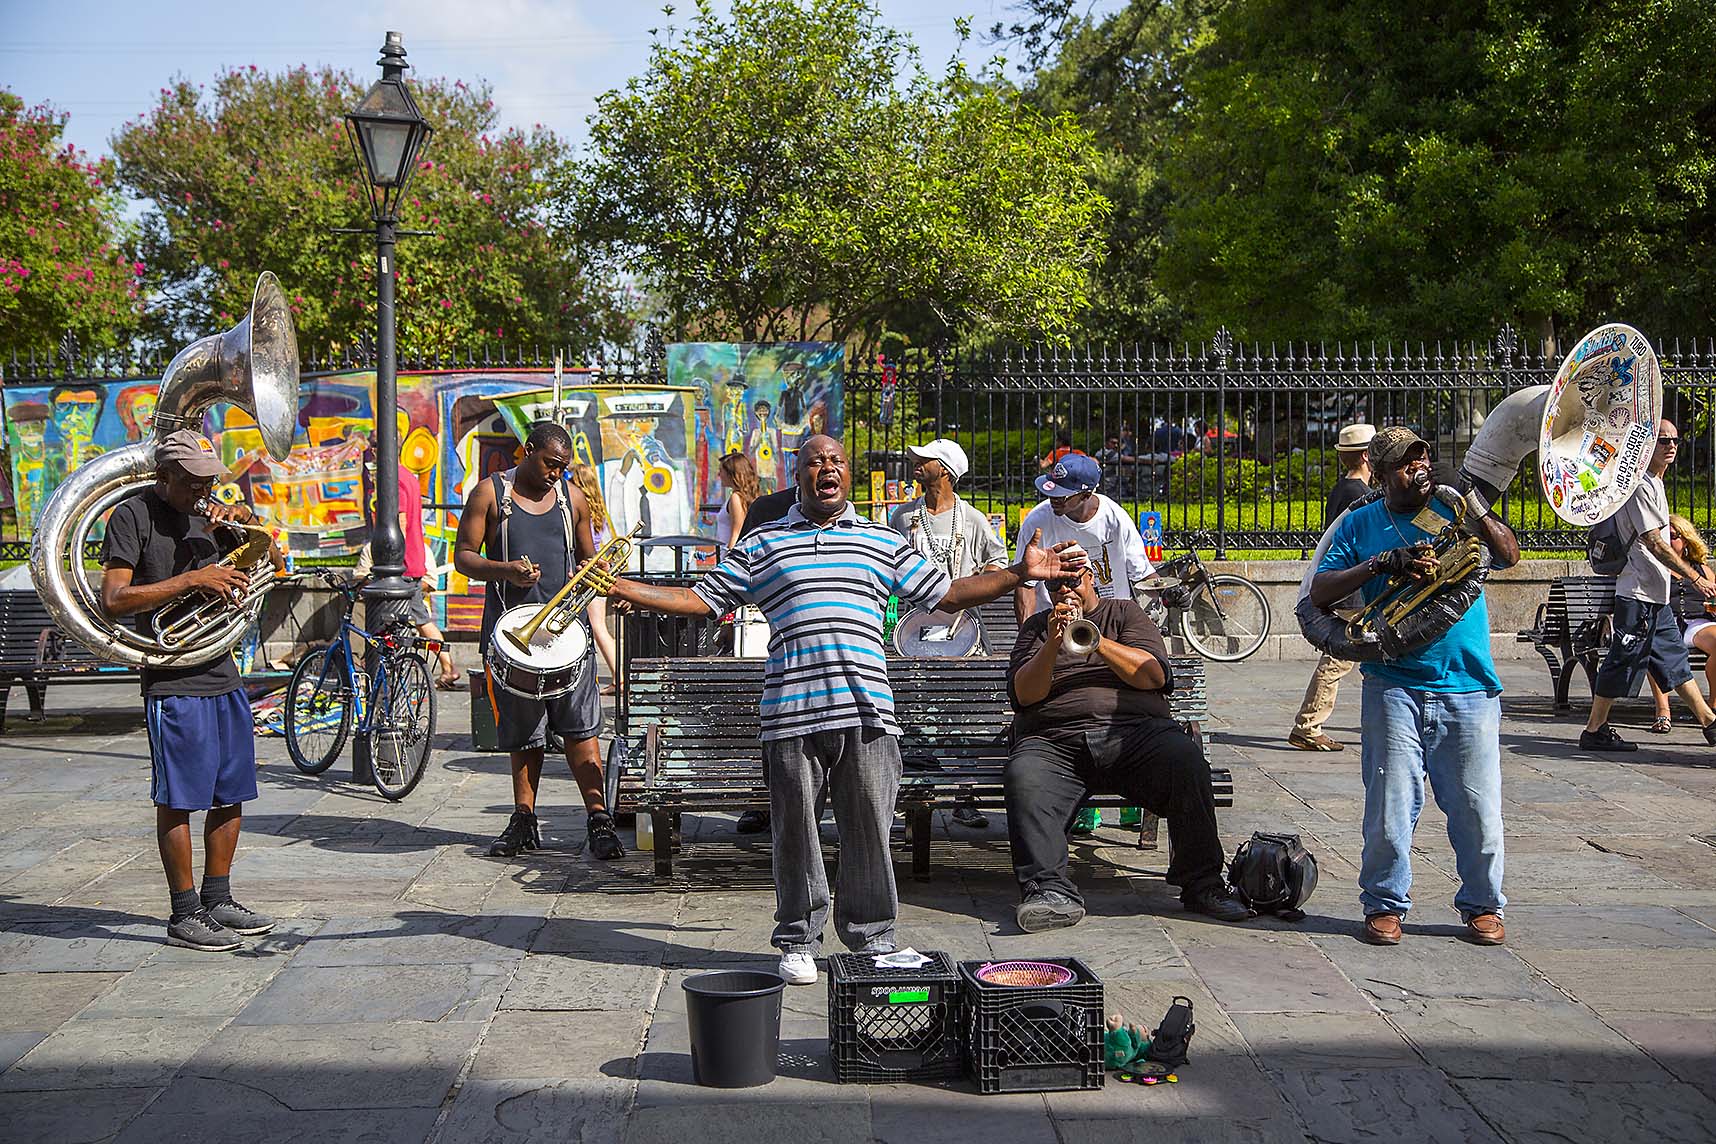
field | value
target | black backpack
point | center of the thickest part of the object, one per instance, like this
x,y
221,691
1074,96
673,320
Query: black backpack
x,y
1274,874
1607,549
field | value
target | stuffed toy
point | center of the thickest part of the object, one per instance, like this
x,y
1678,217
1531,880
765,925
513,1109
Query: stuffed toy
x,y
1122,1043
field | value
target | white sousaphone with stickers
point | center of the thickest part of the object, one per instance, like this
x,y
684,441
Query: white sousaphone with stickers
x,y
1592,428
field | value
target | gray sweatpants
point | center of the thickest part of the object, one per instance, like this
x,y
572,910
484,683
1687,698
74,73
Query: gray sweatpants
x,y
860,768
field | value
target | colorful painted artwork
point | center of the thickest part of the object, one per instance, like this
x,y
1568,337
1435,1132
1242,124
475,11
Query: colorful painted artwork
x,y
639,439
51,430
760,399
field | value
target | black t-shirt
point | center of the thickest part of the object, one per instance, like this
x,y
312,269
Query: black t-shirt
x,y
768,508
1346,491
1084,691
155,541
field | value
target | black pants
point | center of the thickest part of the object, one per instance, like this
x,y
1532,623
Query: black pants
x,y
1152,763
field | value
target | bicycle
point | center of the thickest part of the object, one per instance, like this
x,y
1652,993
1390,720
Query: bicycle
x,y
394,710
1222,616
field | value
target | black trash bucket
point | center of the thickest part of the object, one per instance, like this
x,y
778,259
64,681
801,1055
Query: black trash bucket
x,y
735,1019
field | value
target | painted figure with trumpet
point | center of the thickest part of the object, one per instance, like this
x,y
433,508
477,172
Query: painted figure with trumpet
x,y
822,576
1431,713
525,531
1089,682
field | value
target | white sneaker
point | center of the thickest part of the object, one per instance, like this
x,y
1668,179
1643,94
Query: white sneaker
x,y
798,968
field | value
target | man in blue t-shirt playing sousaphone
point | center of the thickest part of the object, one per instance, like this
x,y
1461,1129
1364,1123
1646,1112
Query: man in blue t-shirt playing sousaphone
x,y
1432,715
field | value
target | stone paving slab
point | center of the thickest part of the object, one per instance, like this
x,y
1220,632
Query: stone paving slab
x,y
418,990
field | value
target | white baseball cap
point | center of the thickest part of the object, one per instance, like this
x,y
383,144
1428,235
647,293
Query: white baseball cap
x,y
947,452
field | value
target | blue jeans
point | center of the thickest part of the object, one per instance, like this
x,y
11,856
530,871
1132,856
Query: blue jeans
x,y
1454,739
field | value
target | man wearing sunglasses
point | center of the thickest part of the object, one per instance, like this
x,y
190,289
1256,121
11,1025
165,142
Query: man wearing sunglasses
x,y
1646,637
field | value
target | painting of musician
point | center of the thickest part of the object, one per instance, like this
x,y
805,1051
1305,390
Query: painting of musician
x,y
763,444
643,480
76,410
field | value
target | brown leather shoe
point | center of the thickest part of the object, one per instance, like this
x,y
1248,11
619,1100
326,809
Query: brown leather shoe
x,y
1486,929
1382,929
1317,742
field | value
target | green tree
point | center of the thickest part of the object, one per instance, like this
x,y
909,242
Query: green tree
x,y
1123,77
260,174
62,263
1387,167
791,171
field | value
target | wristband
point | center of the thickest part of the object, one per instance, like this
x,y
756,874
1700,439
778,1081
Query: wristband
x,y
1477,505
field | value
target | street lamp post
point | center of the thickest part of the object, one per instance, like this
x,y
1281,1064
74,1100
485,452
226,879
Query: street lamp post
x,y
388,134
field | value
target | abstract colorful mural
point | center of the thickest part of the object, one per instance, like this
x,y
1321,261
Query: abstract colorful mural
x,y
760,399
51,430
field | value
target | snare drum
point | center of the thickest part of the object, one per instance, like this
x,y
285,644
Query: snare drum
x,y
552,666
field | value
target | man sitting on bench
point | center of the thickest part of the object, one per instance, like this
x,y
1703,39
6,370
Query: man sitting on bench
x,y
1099,722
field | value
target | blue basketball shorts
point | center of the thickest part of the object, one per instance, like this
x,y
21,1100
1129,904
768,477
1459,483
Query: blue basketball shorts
x,y
202,750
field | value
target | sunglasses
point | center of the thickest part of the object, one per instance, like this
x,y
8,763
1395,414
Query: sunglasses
x,y
1668,440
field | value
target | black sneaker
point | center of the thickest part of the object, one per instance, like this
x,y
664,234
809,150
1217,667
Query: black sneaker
x,y
603,839
240,919
1605,739
753,821
197,930
521,833
1710,734
1217,902
967,814
1046,910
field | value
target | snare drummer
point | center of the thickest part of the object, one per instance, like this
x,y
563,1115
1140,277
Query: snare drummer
x,y
954,535
524,531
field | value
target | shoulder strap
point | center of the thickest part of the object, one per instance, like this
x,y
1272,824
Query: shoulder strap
x,y
565,502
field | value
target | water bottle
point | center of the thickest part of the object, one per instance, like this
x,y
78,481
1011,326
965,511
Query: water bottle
x,y
646,832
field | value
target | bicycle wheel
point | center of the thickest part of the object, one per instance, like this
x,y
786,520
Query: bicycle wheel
x,y
1235,630
318,712
403,727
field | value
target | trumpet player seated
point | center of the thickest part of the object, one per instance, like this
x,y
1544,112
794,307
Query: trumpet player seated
x,y
1434,714
822,576
163,554
1089,682
523,532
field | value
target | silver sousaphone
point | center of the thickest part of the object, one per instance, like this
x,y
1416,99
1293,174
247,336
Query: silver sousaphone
x,y
253,366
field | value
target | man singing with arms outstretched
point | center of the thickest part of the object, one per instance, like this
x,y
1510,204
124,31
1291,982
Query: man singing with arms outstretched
x,y
822,575
202,749
525,531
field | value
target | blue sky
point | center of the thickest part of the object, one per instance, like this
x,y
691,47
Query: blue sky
x,y
104,63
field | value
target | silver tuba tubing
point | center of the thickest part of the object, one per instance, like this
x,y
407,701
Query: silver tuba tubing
x,y
254,366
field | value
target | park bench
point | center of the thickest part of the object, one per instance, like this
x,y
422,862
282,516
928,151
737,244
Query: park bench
x,y
33,653
1572,628
699,722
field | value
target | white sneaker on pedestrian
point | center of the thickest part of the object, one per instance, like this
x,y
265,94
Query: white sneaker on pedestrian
x,y
798,968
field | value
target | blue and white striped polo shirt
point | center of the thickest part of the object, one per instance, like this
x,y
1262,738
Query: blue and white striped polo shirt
x,y
824,591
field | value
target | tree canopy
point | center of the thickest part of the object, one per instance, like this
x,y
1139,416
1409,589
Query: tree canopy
x,y
1389,167
791,171
63,266
258,173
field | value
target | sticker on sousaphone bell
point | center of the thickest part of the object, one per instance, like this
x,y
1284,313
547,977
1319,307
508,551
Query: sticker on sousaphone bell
x,y
1600,424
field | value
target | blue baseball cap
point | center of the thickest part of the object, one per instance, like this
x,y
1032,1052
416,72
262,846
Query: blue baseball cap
x,y
1073,474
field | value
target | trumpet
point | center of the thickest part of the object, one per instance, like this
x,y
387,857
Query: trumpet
x,y
192,618
595,578
1081,635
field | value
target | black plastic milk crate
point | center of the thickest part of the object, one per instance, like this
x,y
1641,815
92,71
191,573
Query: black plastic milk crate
x,y
1030,1039
890,1025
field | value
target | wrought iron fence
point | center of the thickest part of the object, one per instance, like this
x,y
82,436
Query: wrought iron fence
x,y
1233,444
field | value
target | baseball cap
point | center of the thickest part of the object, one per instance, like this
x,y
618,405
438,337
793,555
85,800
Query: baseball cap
x,y
1073,474
1391,446
1355,437
192,452
947,452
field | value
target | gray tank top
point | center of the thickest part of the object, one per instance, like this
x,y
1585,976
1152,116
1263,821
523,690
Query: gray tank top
x,y
546,538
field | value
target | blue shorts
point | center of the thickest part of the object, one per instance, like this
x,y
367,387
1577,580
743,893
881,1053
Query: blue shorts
x,y
202,750
1646,640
